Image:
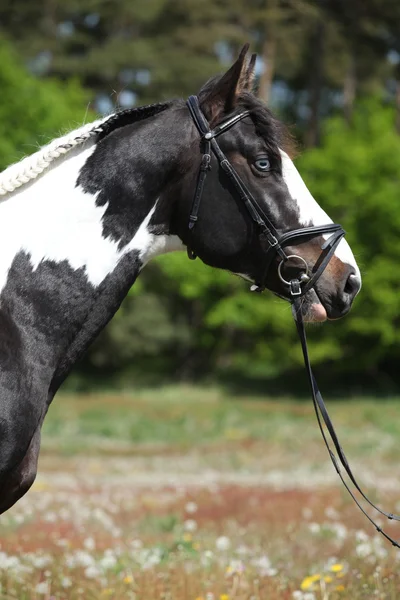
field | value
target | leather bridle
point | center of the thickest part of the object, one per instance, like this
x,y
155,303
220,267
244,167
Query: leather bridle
x,y
274,245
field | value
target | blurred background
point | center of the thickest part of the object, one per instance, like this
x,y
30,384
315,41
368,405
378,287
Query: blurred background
x,y
330,69
178,461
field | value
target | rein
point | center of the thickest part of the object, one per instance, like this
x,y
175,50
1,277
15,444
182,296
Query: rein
x,y
274,245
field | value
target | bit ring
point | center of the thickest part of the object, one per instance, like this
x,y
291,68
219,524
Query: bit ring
x,y
301,278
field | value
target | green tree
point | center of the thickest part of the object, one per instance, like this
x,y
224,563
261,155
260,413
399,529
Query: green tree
x,y
33,111
356,177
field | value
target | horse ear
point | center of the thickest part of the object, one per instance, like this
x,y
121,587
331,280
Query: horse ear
x,y
250,74
219,98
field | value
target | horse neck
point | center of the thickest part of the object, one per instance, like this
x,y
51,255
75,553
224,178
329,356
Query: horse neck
x,y
71,246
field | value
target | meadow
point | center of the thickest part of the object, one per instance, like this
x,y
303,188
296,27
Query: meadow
x,y
181,493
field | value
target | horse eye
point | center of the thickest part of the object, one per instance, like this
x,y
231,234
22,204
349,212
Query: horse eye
x,y
262,164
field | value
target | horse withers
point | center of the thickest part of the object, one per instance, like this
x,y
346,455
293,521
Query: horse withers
x,y
80,219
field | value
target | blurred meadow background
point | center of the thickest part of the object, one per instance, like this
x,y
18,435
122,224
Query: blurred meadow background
x,y
182,459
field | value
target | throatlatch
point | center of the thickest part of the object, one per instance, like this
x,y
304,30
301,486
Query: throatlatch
x,y
274,244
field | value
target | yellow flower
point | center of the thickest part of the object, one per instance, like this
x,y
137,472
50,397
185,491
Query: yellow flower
x,y
128,579
328,579
107,592
339,588
199,598
336,568
224,597
196,546
187,537
308,582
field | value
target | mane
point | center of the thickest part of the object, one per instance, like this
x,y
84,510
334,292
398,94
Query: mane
x,y
32,166
273,131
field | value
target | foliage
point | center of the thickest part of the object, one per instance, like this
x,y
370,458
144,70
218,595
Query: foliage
x,y
33,111
356,177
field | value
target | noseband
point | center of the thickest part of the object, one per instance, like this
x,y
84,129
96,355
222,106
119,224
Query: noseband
x,y
274,244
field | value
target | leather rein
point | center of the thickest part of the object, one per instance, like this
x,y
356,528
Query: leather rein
x,y
274,245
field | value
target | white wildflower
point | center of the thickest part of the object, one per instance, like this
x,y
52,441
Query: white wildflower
x,y
264,566
89,544
92,572
18,518
223,543
339,529
314,528
206,558
42,588
299,595
66,582
50,517
190,525
361,536
79,559
108,561
331,513
191,507
8,562
40,561
243,550
372,548
235,567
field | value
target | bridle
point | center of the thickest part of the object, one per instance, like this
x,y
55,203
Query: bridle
x,y
274,245
271,241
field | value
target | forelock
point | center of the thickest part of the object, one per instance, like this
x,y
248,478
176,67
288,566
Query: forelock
x,y
274,133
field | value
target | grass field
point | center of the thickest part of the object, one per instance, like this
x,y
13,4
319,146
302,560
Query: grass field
x,y
186,494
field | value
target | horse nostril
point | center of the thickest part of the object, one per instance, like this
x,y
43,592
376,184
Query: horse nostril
x,y
352,285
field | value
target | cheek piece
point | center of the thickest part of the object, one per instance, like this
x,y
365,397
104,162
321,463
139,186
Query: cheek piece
x,y
274,245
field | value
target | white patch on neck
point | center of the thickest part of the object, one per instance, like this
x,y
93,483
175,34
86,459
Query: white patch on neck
x,y
310,212
51,219
151,245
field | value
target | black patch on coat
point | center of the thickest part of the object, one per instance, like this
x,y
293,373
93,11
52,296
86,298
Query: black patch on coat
x,y
49,316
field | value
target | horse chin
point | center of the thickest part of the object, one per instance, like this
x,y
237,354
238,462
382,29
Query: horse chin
x,y
313,309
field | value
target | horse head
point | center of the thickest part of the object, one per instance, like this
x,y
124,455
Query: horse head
x,y
225,233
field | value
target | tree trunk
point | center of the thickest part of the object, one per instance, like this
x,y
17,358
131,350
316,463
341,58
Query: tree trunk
x,y
397,104
268,54
316,81
349,89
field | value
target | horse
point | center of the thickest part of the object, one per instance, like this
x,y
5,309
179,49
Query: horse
x,y
81,217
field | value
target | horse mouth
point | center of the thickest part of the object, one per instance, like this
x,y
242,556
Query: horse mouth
x,y
312,308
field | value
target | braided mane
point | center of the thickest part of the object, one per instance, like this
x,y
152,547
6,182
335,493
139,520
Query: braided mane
x,y
32,166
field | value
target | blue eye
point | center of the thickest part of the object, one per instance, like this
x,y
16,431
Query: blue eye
x,y
262,164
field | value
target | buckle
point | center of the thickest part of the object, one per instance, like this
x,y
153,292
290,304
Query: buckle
x,y
192,221
205,162
272,240
295,288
